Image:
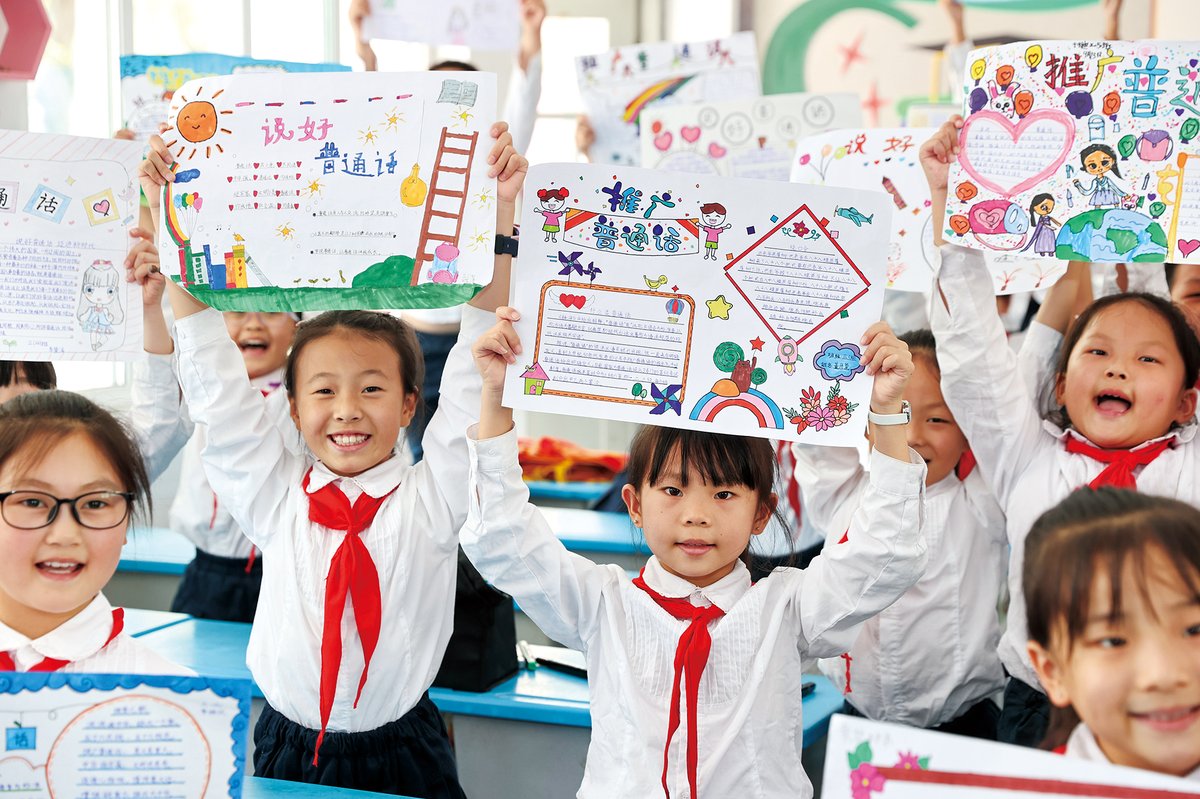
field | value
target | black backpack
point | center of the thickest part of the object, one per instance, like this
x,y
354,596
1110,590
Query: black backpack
x,y
482,652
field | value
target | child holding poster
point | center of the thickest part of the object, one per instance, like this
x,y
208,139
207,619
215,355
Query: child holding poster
x,y
70,478
352,380
930,659
1123,415
1112,589
699,498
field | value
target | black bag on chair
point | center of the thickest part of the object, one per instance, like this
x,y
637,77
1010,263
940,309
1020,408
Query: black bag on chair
x,y
483,647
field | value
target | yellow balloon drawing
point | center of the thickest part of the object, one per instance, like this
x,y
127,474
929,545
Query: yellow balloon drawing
x,y
977,69
413,189
1033,55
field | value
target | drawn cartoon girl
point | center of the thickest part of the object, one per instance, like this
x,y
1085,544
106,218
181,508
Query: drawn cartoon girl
x,y
552,202
100,302
1099,160
1043,238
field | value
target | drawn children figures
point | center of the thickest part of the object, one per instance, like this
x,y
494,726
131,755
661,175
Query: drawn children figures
x,y
1099,160
552,202
713,216
1043,238
100,302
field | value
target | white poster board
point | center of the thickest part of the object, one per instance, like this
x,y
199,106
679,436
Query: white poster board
x,y
478,24
69,736
744,138
349,190
716,304
66,206
872,760
618,86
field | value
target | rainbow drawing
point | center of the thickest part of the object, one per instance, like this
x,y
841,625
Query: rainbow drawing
x,y
656,91
762,406
174,226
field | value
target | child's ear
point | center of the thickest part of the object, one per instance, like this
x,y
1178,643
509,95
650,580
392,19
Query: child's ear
x,y
295,414
765,510
1050,673
1060,385
1187,407
409,409
633,502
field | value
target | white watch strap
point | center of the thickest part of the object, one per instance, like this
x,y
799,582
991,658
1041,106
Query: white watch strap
x,y
887,419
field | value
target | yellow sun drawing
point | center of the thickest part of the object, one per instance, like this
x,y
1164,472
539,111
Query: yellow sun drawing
x,y
316,188
285,232
461,117
477,241
367,136
393,119
484,199
197,122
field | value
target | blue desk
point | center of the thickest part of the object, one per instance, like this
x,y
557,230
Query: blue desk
x,y
156,550
594,531
139,622
259,788
566,494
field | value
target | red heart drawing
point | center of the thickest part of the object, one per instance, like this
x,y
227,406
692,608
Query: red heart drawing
x,y
295,205
297,174
255,192
716,150
297,163
256,165
231,208
229,178
256,177
690,133
101,208
985,219
277,192
569,300
256,205
278,205
1187,246
277,177
663,141
1048,123
278,163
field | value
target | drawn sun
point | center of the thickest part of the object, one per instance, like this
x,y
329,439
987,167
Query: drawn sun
x,y
285,232
197,122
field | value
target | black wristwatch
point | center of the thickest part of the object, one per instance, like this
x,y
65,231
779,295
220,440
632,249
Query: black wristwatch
x,y
506,245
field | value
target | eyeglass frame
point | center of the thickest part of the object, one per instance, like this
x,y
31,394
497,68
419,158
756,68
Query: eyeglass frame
x,y
60,501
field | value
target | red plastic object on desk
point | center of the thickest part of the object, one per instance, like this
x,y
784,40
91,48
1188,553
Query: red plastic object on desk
x,y
561,461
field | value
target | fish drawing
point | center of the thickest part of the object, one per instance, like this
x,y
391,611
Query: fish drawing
x,y
854,215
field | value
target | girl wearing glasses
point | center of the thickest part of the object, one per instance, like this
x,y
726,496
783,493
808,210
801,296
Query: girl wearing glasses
x,y
70,477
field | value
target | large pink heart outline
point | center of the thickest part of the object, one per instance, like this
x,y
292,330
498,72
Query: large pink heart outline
x,y
1016,131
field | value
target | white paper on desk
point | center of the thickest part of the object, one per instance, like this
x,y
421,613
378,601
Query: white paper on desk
x,y
618,86
66,204
480,25
872,760
133,736
630,312
331,190
751,137
1080,151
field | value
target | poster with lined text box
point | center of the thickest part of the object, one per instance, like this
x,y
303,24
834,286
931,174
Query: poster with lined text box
x,y
331,190
122,735
713,303
66,204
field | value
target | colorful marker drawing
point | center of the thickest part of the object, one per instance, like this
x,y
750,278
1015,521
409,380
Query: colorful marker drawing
x,y
698,345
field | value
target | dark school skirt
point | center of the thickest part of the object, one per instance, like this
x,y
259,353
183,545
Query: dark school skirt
x,y
409,757
219,588
1025,718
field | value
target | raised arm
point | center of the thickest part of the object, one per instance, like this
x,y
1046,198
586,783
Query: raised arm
x,y
832,481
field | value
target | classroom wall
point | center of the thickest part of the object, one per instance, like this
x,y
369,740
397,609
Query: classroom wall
x,y
877,48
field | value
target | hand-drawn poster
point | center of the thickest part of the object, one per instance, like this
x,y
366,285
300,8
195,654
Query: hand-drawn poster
x,y
1083,151
308,192
619,85
733,306
148,82
478,24
66,205
871,760
883,159
132,736
745,138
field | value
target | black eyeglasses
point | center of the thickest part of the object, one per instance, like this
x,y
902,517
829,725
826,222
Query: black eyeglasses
x,y
96,510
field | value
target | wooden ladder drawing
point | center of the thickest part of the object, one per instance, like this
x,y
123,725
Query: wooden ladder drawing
x,y
447,196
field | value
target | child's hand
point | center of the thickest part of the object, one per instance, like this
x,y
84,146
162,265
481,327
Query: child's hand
x,y
585,136
508,166
533,13
155,172
496,349
1112,18
358,11
939,152
142,267
888,359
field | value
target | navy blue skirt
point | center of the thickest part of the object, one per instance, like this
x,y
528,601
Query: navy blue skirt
x,y
1025,718
409,757
219,588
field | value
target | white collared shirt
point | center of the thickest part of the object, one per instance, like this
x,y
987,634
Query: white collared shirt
x,y
82,640
751,727
1083,745
1022,457
413,540
932,655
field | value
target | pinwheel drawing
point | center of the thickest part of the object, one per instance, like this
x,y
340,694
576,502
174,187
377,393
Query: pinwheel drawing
x,y
666,399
